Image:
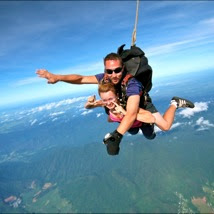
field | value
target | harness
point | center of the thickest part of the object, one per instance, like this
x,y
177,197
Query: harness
x,y
121,91
124,98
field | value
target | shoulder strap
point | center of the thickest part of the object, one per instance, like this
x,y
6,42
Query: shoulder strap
x,y
126,79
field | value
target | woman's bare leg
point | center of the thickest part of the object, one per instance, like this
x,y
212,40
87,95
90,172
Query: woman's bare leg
x,y
165,122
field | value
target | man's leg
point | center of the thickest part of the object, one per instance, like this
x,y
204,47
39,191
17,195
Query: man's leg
x,y
148,130
133,131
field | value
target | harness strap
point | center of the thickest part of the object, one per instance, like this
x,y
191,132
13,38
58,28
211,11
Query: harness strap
x,y
126,79
123,97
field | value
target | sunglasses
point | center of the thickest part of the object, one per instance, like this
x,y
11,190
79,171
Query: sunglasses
x,y
116,70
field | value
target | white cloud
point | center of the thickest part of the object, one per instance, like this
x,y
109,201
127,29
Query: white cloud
x,y
156,91
199,36
86,112
27,81
42,123
57,113
52,105
177,45
209,21
167,48
157,129
99,114
175,125
33,122
204,124
199,106
69,101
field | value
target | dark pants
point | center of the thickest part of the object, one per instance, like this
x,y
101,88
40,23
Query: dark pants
x,y
146,128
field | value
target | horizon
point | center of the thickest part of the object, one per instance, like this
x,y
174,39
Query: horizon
x,y
84,91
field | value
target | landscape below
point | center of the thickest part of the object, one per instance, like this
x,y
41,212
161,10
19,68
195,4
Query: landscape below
x,y
52,158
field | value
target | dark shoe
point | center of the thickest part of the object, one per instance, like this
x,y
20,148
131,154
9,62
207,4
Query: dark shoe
x,y
182,103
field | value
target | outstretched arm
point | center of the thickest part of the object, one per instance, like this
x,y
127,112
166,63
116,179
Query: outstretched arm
x,y
70,78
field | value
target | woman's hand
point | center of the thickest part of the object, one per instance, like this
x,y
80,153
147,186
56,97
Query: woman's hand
x,y
93,103
119,109
92,99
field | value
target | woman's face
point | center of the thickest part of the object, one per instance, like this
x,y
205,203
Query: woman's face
x,y
108,98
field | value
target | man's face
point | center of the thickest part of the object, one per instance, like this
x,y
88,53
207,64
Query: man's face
x,y
113,66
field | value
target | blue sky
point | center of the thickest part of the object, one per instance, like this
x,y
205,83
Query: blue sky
x,y
74,36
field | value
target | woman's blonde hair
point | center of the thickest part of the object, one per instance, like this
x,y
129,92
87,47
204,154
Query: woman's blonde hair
x,y
106,87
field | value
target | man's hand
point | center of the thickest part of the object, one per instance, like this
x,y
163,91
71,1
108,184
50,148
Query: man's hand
x,y
43,73
112,142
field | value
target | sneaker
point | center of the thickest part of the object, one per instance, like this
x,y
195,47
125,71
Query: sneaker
x,y
182,103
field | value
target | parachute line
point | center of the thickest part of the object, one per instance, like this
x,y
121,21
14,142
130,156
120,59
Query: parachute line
x,y
135,25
